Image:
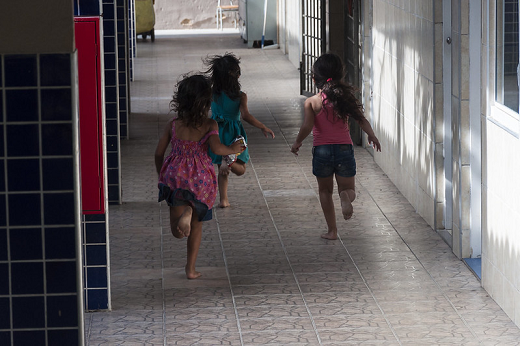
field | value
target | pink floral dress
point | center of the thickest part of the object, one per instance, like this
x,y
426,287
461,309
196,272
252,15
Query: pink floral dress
x,y
187,176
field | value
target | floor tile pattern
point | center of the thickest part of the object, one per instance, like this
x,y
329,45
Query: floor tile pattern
x,y
268,277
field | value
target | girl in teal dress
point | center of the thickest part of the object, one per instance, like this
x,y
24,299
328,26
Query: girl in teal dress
x,y
228,107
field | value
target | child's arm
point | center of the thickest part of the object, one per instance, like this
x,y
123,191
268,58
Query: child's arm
x,y
249,118
372,139
217,147
164,141
306,128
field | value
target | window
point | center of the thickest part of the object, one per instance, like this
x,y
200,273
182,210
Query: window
x,y
507,73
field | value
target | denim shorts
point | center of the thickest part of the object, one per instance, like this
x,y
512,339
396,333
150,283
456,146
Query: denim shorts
x,y
332,159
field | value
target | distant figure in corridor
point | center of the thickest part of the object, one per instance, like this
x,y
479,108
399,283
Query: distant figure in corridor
x,y
326,115
187,179
229,104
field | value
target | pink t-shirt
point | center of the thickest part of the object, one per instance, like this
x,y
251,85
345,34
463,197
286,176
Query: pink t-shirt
x,y
328,128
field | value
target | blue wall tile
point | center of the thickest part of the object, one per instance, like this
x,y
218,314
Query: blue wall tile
x,y
21,105
3,245
29,338
59,208
1,132
28,312
62,311
26,244
94,217
56,104
62,337
5,315
2,175
3,212
20,70
97,299
61,277
96,255
5,338
57,139
18,207
23,140
58,174
27,278
95,233
89,8
97,277
55,70
4,279
23,175
60,243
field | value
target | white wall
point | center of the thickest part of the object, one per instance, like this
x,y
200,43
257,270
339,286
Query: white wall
x,y
189,14
402,89
500,186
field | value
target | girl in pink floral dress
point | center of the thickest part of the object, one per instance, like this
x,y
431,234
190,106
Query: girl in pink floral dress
x,y
187,180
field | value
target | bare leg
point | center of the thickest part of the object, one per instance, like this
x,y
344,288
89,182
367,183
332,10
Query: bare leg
x,y
347,194
193,248
325,188
238,168
223,179
180,220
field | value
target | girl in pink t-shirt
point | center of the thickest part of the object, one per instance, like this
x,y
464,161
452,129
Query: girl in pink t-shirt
x,y
187,180
326,115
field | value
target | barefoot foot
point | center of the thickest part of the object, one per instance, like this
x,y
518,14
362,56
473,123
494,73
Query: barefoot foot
x,y
330,235
184,224
224,204
346,206
192,274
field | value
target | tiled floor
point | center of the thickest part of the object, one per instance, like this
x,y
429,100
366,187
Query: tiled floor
x,y
268,277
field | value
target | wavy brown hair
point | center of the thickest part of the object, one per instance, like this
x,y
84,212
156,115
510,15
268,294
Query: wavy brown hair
x,y
328,73
192,100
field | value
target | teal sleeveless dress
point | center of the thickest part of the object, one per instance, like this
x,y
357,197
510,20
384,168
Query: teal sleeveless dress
x,y
226,112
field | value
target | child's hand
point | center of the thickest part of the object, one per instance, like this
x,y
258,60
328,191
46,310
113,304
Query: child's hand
x,y
237,147
267,131
295,148
374,142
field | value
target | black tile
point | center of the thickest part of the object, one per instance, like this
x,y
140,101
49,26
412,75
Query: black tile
x,y
95,233
111,111
21,105
60,243
5,338
109,45
58,174
109,62
26,244
57,139
55,70
28,312
61,277
97,299
112,143
94,217
96,255
62,311
20,70
89,8
113,176
111,79
56,104
2,175
59,208
111,127
1,106
113,194
112,160
62,337
4,279
2,154
23,175
3,213
109,28
18,207
29,337
5,315
23,140
96,277
27,278
109,10
3,245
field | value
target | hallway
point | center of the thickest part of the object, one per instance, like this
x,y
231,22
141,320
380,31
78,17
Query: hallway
x,y
268,277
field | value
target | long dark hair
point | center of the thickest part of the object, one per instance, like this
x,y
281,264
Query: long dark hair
x,y
192,100
224,71
328,72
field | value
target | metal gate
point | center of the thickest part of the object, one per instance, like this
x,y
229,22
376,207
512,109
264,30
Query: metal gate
x,y
313,39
